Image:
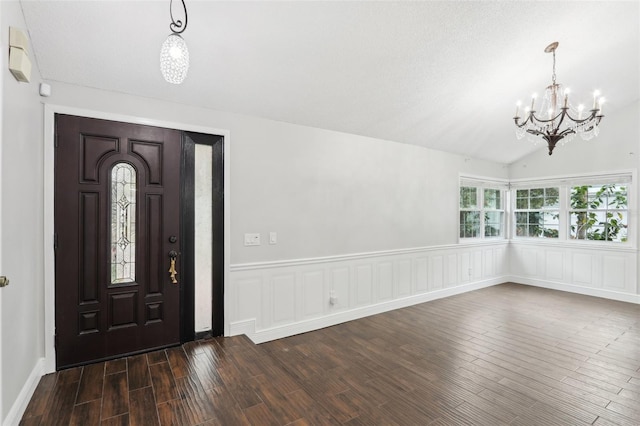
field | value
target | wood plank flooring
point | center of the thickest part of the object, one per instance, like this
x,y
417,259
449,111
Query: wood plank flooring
x,y
504,355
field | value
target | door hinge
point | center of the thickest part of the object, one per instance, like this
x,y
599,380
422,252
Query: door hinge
x,y
55,241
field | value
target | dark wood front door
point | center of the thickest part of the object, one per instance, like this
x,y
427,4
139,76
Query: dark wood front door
x,y
117,218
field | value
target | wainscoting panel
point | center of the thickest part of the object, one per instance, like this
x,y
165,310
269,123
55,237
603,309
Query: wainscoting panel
x,y
437,277
598,270
340,285
582,268
284,296
313,289
385,281
554,265
272,300
420,267
452,265
364,285
404,278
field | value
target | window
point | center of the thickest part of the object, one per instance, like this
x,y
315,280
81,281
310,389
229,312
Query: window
x,y
469,213
481,212
123,223
537,212
598,212
493,213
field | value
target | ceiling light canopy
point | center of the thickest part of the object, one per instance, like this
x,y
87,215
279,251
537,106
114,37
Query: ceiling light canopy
x,y
558,120
174,54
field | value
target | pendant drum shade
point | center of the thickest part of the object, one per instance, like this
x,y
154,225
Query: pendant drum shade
x,y
174,59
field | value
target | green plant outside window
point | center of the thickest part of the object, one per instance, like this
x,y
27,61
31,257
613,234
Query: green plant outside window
x,y
599,212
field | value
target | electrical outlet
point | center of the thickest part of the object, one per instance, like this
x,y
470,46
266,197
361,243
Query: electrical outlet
x,y
333,299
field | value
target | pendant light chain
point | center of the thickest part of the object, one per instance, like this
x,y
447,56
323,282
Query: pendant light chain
x,y
176,25
553,76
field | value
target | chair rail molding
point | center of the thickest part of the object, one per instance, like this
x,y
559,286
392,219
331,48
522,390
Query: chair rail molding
x,y
271,300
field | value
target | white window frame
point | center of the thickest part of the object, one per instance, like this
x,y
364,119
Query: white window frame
x,y
627,178
481,184
515,210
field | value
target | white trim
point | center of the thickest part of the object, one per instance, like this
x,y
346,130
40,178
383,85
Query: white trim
x,y
2,72
355,256
49,266
248,327
20,405
576,244
595,292
483,182
562,180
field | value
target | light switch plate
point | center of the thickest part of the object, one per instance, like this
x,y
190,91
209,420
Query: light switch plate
x,y
251,239
273,238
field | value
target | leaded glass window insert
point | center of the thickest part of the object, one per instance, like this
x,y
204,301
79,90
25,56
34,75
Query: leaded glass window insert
x,y
123,223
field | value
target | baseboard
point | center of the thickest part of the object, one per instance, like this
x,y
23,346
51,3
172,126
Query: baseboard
x,y
248,327
571,288
20,405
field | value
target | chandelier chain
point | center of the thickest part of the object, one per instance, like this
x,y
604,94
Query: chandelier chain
x,y
553,76
176,24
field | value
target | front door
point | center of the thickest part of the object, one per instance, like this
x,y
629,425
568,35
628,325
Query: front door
x,y
117,226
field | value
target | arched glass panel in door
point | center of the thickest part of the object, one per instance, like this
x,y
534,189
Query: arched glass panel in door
x,y
123,223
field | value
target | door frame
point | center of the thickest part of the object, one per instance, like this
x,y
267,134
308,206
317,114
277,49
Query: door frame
x,y
216,142
48,162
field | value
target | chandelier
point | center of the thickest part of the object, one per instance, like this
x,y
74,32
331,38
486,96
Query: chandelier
x,y
558,120
174,55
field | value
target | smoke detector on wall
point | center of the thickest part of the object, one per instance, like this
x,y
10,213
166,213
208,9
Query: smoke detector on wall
x,y
19,62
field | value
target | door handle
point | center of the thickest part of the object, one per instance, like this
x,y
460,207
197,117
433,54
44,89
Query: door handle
x,y
172,269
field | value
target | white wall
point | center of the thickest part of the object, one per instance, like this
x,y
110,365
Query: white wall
x,y
22,226
324,193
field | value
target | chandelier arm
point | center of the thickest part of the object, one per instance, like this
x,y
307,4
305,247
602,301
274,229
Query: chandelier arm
x,y
583,120
536,132
566,132
541,120
176,25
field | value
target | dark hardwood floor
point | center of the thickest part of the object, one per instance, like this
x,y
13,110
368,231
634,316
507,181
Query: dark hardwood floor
x,y
508,354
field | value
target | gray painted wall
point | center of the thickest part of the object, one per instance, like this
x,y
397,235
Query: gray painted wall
x,y
22,221
324,193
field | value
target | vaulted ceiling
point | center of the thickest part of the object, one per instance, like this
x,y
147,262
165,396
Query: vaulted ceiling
x,y
444,75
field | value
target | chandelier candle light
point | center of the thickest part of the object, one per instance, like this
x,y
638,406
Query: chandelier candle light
x,y
174,55
561,123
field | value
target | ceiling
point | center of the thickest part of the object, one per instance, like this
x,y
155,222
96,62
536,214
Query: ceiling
x,y
444,75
